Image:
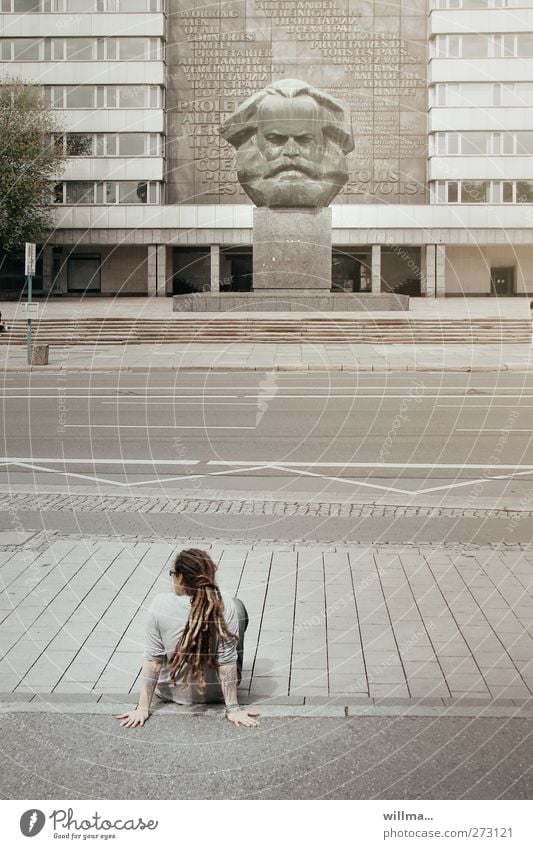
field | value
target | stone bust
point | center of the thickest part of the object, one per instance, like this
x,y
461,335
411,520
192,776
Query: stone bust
x,y
291,141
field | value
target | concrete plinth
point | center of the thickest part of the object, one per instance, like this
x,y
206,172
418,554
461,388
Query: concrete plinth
x,y
39,355
292,249
283,301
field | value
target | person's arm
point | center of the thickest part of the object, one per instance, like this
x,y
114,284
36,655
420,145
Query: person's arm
x,y
149,678
227,674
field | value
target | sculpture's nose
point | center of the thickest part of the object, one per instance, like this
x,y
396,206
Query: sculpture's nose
x,y
291,148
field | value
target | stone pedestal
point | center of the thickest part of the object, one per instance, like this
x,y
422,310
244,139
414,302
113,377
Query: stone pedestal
x,y
39,355
292,250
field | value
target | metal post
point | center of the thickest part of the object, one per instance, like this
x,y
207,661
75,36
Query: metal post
x,y
29,282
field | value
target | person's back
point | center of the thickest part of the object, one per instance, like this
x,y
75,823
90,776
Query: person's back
x,y
194,637
166,622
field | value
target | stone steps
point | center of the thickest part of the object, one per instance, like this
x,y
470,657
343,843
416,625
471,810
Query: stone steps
x,y
119,331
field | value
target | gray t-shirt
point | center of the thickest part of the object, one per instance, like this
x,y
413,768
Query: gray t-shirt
x,y
167,618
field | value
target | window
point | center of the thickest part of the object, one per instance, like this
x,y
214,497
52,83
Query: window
x,y
132,97
109,192
80,49
79,193
507,192
26,49
475,46
473,144
524,44
524,191
79,144
131,144
109,97
130,192
79,97
131,49
524,143
452,192
475,191
58,193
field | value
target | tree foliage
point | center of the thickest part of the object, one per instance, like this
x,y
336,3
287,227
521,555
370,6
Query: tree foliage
x,y
29,161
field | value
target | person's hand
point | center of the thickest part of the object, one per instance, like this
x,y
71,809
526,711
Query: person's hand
x,y
133,718
243,717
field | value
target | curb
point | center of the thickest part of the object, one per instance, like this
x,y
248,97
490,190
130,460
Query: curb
x,y
282,707
281,368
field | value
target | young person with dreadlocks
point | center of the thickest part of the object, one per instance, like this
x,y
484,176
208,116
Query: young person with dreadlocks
x,y
194,643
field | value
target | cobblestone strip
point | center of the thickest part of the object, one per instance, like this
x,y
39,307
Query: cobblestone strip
x,y
23,502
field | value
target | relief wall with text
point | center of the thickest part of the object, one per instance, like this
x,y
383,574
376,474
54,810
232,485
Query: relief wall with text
x,y
371,55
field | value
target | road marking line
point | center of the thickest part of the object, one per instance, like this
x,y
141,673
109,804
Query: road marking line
x,y
370,464
96,462
127,403
164,427
65,396
494,430
128,484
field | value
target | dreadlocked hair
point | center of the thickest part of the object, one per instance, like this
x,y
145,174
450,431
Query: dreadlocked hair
x,y
197,646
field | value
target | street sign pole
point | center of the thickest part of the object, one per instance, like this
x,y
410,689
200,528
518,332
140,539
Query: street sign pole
x,y
30,253
29,282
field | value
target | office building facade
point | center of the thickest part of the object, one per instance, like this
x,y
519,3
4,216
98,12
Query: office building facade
x,y
440,196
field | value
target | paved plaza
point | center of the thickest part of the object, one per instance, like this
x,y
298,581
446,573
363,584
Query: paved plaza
x,y
352,624
283,357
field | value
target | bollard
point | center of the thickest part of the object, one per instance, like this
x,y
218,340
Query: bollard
x,y
39,355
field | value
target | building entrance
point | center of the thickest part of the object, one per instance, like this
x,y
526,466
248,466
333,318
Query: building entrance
x,y
83,273
236,270
502,281
350,272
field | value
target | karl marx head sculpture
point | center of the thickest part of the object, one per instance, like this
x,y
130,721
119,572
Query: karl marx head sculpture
x,y
292,141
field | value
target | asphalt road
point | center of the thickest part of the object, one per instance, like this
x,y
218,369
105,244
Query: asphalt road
x,y
431,438
50,756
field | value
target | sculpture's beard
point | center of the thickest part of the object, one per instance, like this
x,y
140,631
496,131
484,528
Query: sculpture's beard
x,y
291,183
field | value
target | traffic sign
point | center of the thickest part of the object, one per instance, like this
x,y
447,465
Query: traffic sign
x,y
31,310
30,255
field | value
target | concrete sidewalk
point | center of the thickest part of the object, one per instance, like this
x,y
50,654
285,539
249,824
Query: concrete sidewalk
x,y
271,357
344,624
431,309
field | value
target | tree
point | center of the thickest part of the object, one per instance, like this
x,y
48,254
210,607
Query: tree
x,y
29,161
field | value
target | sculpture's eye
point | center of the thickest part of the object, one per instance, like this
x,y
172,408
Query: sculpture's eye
x,y
276,138
305,138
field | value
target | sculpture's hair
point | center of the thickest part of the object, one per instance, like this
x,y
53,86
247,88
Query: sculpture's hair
x,y
242,124
197,646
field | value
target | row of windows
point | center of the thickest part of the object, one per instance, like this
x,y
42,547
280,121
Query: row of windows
x,y
109,144
104,96
480,143
481,4
21,7
80,49
482,191
125,191
482,94
481,46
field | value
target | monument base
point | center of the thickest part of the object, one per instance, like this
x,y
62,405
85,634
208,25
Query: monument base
x,y
292,249
283,301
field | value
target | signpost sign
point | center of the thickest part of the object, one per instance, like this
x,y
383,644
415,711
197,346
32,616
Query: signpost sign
x,y
30,257
31,253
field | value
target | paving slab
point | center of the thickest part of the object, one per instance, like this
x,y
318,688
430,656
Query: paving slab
x,y
339,657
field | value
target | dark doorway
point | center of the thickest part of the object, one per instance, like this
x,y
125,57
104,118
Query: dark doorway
x,y
350,272
502,281
238,270
191,271
83,273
